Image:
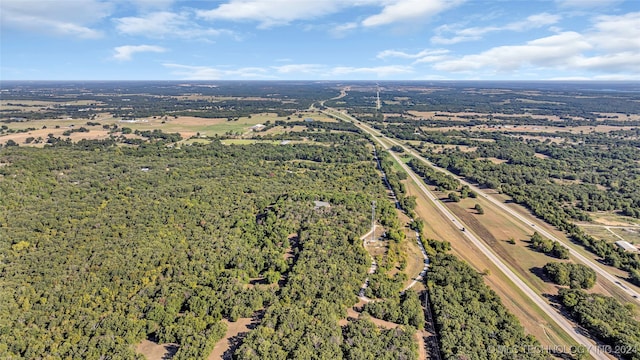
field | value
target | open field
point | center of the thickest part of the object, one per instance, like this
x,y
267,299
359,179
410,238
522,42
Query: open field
x,y
612,289
613,219
38,105
600,232
495,228
155,351
544,130
235,332
187,126
534,322
470,115
248,141
415,261
630,234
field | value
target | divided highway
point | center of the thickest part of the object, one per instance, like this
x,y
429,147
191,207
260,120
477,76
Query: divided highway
x,y
528,222
537,299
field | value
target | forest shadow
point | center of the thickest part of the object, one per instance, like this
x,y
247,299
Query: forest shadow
x,y
539,272
171,349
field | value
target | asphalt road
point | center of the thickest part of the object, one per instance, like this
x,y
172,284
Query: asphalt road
x,y
535,225
537,299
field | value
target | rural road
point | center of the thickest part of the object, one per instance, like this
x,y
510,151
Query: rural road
x,y
537,299
426,264
532,223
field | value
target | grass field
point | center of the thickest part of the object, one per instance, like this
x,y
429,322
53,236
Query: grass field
x,y
248,141
415,261
38,105
600,232
613,219
604,287
531,317
187,126
631,235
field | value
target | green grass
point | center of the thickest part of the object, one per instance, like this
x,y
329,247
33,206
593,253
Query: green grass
x,y
631,235
600,233
195,141
249,141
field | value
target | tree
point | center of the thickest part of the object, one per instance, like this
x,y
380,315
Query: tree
x,y
454,197
577,276
479,209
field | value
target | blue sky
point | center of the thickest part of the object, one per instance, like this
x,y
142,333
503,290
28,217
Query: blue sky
x,y
320,40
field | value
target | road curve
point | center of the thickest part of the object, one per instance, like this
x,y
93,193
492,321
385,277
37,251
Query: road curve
x,y
537,299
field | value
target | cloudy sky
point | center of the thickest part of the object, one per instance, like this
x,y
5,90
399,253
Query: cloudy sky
x,y
319,39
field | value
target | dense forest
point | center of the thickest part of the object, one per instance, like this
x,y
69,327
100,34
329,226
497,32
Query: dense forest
x,y
132,99
607,319
471,321
127,243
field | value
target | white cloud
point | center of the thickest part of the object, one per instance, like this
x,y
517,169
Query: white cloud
x,y
151,4
271,12
126,52
610,47
424,56
476,33
546,52
618,62
341,30
587,4
379,71
408,10
300,68
190,72
291,71
165,24
65,18
400,54
617,33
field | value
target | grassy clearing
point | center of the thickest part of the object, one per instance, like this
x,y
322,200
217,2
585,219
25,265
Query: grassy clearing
x,y
600,233
603,287
502,226
415,261
195,141
228,343
38,105
532,318
187,126
248,141
155,351
613,219
495,230
631,235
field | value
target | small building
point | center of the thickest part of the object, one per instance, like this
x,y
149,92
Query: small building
x,y
285,142
321,204
257,127
308,120
626,246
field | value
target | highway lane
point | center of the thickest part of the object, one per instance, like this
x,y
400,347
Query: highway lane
x,y
560,320
532,223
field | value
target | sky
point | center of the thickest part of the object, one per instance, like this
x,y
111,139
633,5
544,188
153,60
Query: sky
x,y
320,40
